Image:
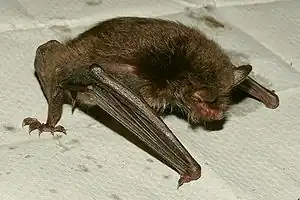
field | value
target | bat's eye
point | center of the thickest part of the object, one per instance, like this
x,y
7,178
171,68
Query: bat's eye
x,y
213,101
207,95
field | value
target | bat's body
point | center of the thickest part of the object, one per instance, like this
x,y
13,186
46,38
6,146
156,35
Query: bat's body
x,y
142,66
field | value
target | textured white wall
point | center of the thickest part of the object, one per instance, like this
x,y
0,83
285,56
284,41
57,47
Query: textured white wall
x,y
239,2
254,157
225,2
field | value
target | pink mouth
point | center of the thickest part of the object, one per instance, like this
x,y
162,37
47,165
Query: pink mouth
x,y
204,111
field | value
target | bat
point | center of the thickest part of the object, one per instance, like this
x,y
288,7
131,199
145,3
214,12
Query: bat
x,y
134,68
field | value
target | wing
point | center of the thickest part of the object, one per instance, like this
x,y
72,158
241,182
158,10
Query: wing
x,y
266,96
137,116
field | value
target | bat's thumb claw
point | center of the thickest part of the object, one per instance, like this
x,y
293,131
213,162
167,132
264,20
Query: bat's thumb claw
x,y
182,180
180,183
194,174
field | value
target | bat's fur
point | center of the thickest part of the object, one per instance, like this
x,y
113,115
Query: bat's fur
x,y
167,63
171,61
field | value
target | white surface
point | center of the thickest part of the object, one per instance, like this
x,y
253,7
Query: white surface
x,y
256,156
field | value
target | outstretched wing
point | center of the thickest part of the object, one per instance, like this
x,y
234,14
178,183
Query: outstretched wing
x,y
137,116
261,93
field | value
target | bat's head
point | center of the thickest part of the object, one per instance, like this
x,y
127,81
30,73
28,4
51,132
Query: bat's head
x,y
207,98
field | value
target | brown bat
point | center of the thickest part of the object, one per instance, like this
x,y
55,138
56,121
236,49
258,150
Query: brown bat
x,y
134,69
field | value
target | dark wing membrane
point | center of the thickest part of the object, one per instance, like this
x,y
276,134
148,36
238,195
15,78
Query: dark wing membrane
x,y
137,116
266,96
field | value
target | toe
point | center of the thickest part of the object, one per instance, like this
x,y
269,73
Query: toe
x,y
28,121
32,122
34,126
61,129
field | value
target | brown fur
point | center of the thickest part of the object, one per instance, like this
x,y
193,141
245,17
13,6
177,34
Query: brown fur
x,y
171,61
168,63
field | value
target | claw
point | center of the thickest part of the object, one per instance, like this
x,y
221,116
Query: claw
x,y
181,181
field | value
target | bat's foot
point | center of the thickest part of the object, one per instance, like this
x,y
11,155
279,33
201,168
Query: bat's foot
x,y
34,124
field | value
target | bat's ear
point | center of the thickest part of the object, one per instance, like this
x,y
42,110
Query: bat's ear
x,y
240,73
206,94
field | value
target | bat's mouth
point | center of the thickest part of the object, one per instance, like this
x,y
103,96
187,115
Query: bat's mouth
x,y
205,111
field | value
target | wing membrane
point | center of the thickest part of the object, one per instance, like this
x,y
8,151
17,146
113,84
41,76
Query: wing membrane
x,y
136,115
